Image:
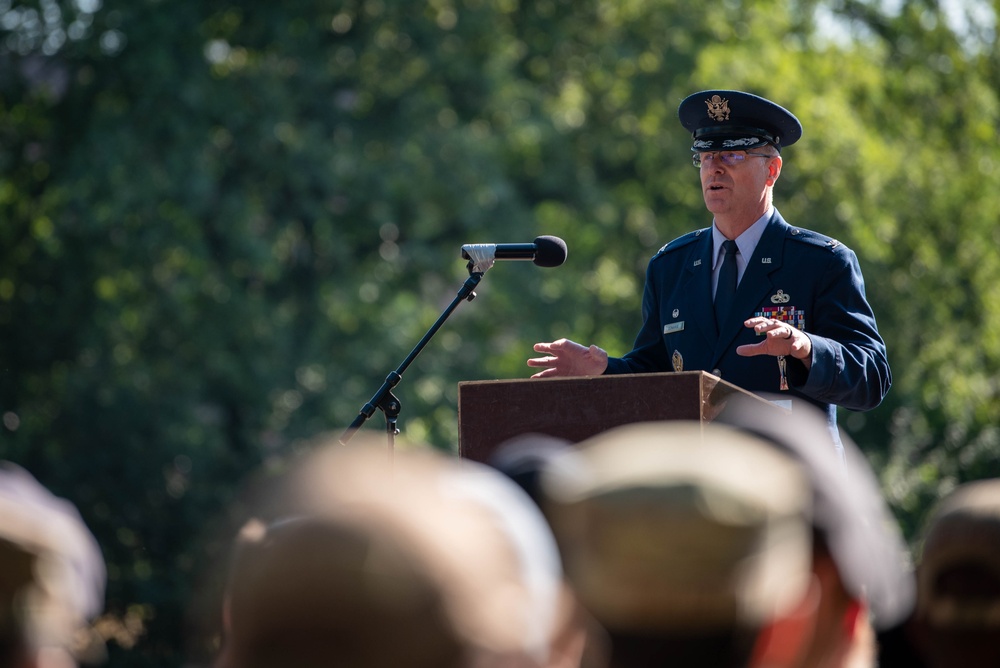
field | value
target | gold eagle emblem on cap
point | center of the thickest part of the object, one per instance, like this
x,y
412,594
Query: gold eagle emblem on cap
x,y
718,108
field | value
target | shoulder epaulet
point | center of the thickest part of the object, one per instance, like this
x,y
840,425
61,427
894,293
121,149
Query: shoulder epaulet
x,y
682,241
813,238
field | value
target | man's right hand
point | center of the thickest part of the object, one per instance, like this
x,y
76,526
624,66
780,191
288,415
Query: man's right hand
x,y
567,358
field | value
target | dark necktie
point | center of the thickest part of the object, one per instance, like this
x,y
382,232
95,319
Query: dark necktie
x,y
725,291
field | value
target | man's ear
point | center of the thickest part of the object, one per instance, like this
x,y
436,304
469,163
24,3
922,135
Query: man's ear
x,y
855,619
773,170
782,641
571,638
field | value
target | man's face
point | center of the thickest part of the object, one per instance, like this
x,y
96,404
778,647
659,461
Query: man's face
x,y
735,183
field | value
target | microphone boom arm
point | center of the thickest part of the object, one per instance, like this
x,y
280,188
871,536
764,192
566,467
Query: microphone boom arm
x,y
384,399
545,251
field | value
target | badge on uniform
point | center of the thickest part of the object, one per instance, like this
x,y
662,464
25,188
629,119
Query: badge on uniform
x,y
787,314
793,316
677,361
673,327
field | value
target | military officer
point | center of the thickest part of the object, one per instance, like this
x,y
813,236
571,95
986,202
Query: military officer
x,y
768,306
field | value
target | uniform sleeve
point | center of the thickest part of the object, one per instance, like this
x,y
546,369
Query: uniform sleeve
x,y
849,363
648,354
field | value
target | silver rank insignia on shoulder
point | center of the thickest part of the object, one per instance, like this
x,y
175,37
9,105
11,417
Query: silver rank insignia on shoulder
x,y
677,360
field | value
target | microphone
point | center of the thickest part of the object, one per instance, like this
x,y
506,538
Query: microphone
x,y
545,251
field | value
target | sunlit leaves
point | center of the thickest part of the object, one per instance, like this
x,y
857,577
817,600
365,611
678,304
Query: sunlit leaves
x,y
224,224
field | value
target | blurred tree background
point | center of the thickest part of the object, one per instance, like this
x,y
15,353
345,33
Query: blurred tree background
x,y
222,223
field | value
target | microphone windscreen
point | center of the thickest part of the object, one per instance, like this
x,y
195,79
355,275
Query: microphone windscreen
x,y
549,251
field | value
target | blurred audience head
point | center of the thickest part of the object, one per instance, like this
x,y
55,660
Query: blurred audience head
x,y
422,559
859,556
957,621
52,577
689,543
523,459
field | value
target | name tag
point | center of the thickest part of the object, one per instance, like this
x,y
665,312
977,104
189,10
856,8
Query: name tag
x,y
673,327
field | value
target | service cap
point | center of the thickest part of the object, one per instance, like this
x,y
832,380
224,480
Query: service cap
x,y
731,120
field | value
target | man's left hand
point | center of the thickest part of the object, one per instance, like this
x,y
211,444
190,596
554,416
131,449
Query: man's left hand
x,y
780,338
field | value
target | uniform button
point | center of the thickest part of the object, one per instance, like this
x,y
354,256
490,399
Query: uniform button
x,y
717,372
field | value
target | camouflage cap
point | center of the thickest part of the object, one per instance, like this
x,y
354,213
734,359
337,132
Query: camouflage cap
x,y
337,589
677,526
466,531
958,575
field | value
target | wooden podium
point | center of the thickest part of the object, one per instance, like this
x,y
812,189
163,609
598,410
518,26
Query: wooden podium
x,y
492,411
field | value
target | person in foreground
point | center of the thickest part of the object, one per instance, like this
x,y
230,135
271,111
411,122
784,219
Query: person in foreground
x,y
689,543
957,620
860,559
424,561
52,578
763,304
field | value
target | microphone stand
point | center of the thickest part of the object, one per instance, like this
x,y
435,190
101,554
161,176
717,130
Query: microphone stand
x,y
384,399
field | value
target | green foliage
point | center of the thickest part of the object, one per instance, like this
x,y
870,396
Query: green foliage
x,y
223,224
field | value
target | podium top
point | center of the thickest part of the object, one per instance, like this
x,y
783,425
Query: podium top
x,y
493,411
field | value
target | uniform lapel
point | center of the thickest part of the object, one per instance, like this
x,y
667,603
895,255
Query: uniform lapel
x,y
698,287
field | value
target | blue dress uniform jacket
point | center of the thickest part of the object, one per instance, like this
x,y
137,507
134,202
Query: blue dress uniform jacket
x,y
808,279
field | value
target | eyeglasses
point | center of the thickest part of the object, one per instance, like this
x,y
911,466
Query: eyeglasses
x,y
727,158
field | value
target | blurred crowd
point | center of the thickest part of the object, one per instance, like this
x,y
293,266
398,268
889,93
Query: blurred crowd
x,y
748,541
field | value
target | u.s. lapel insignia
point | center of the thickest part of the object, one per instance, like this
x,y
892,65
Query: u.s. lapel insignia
x,y
677,361
781,297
